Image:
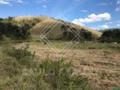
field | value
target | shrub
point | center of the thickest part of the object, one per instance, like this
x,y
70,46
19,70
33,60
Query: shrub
x,y
22,32
71,33
14,31
86,35
110,35
1,19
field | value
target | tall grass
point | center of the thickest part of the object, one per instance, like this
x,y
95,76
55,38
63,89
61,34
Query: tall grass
x,y
19,70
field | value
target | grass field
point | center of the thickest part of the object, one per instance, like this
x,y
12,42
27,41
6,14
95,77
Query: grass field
x,y
98,62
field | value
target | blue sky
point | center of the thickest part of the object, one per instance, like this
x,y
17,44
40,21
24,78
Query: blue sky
x,y
91,13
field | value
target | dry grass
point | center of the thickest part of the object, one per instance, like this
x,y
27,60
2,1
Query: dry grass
x,y
101,66
94,31
44,22
21,18
21,70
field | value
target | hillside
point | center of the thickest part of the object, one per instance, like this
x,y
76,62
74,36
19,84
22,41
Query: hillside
x,y
44,53
57,29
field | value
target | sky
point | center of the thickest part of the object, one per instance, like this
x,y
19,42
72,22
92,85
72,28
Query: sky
x,y
98,14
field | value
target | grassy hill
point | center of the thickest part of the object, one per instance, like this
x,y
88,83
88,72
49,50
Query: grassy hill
x,y
56,29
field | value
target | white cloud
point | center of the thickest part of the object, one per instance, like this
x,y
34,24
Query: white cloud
x,y
104,26
93,18
76,21
7,2
4,2
100,27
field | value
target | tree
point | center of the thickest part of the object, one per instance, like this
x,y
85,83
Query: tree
x,y
14,31
1,19
110,35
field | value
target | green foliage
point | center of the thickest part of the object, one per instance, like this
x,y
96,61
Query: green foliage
x,y
1,19
116,88
86,35
110,35
9,28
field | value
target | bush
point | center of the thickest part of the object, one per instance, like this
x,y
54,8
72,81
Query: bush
x,y
86,35
71,33
110,35
14,31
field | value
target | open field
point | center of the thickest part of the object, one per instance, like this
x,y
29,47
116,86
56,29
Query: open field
x,y
99,62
